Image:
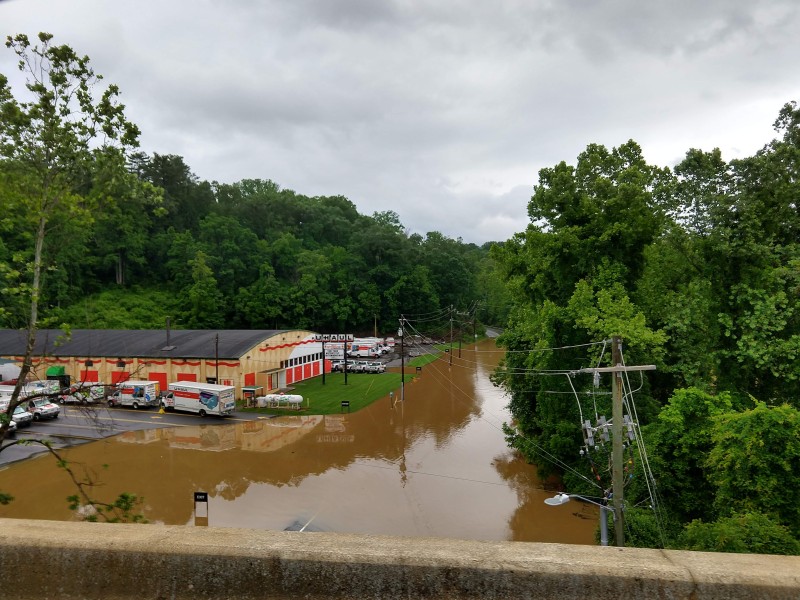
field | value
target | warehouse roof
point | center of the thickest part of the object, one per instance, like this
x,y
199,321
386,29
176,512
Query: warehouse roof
x,y
144,343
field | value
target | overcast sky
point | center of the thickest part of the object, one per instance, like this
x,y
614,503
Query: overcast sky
x,y
443,111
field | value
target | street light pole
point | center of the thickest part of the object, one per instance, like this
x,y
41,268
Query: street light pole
x,y
402,363
563,498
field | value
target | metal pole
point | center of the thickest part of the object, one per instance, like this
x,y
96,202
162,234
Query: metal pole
x,y
604,525
323,362
617,478
346,341
216,359
402,365
451,335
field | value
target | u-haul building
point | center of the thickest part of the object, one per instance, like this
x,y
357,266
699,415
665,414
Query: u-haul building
x,y
263,360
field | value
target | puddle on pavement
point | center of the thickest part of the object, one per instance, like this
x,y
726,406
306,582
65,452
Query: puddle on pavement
x,y
434,465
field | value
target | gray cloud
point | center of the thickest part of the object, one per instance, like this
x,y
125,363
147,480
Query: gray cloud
x,y
443,112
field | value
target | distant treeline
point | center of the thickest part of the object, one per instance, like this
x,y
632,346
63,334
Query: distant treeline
x,y
159,242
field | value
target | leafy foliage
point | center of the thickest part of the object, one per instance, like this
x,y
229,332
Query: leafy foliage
x,y
761,447
752,533
697,270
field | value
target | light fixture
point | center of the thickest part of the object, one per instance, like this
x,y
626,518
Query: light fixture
x,y
557,500
89,363
120,364
563,498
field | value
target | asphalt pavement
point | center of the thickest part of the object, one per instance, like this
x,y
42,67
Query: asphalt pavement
x,y
78,424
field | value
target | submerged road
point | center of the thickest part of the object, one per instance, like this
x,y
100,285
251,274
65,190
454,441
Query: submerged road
x,y
80,424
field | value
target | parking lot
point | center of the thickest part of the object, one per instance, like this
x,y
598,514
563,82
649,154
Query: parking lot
x,y
80,424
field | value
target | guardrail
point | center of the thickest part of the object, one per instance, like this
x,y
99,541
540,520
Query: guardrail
x,y
49,559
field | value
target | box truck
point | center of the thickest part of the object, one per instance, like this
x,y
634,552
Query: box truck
x,y
135,394
364,348
201,398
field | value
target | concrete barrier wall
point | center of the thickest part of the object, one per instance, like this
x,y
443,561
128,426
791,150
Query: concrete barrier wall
x,y
49,559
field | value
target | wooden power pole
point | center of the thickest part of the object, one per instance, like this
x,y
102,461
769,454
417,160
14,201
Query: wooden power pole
x,y
617,432
617,479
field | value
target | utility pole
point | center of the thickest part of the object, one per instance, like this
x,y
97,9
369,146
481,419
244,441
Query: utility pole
x,y
617,449
451,335
401,335
474,334
617,479
216,358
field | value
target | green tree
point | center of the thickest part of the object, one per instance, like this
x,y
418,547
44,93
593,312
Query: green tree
x,y
233,252
47,143
450,268
261,304
202,302
123,227
750,533
754,463
679,442
572,274
187,201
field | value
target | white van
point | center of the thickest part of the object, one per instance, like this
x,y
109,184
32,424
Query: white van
x,y
201,398
135,394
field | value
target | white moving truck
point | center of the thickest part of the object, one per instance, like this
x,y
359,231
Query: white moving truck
x,y
135,394
201,398
364,348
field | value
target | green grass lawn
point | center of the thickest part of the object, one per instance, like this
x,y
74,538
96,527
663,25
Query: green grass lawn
x,y
421,361
361,389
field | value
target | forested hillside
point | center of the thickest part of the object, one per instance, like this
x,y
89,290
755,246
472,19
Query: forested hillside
x,y
698,270
158,242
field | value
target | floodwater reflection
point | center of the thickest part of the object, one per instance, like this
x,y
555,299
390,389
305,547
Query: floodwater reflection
x,y
434,465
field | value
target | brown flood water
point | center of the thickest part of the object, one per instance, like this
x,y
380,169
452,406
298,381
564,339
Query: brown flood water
x,y
435,465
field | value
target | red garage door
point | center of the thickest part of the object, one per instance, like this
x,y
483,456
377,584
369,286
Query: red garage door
x,y
161,378
187,377
90,375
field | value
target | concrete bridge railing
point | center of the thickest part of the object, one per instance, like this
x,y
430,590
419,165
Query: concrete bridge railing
x,y
49,559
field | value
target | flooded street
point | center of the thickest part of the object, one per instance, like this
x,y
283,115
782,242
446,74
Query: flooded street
x,y
434,465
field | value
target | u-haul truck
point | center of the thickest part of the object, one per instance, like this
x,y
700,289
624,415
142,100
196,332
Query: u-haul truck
x,y
135,394
201,398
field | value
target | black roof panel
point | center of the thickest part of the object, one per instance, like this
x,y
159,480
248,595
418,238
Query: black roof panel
x,y
145,343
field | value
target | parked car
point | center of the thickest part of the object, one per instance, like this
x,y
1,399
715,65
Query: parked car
x,y
337,366
358,366
368,366
22,417
43,409
377,367
12,427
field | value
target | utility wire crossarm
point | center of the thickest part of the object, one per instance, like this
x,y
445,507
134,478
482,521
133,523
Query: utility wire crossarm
x,y
618,369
